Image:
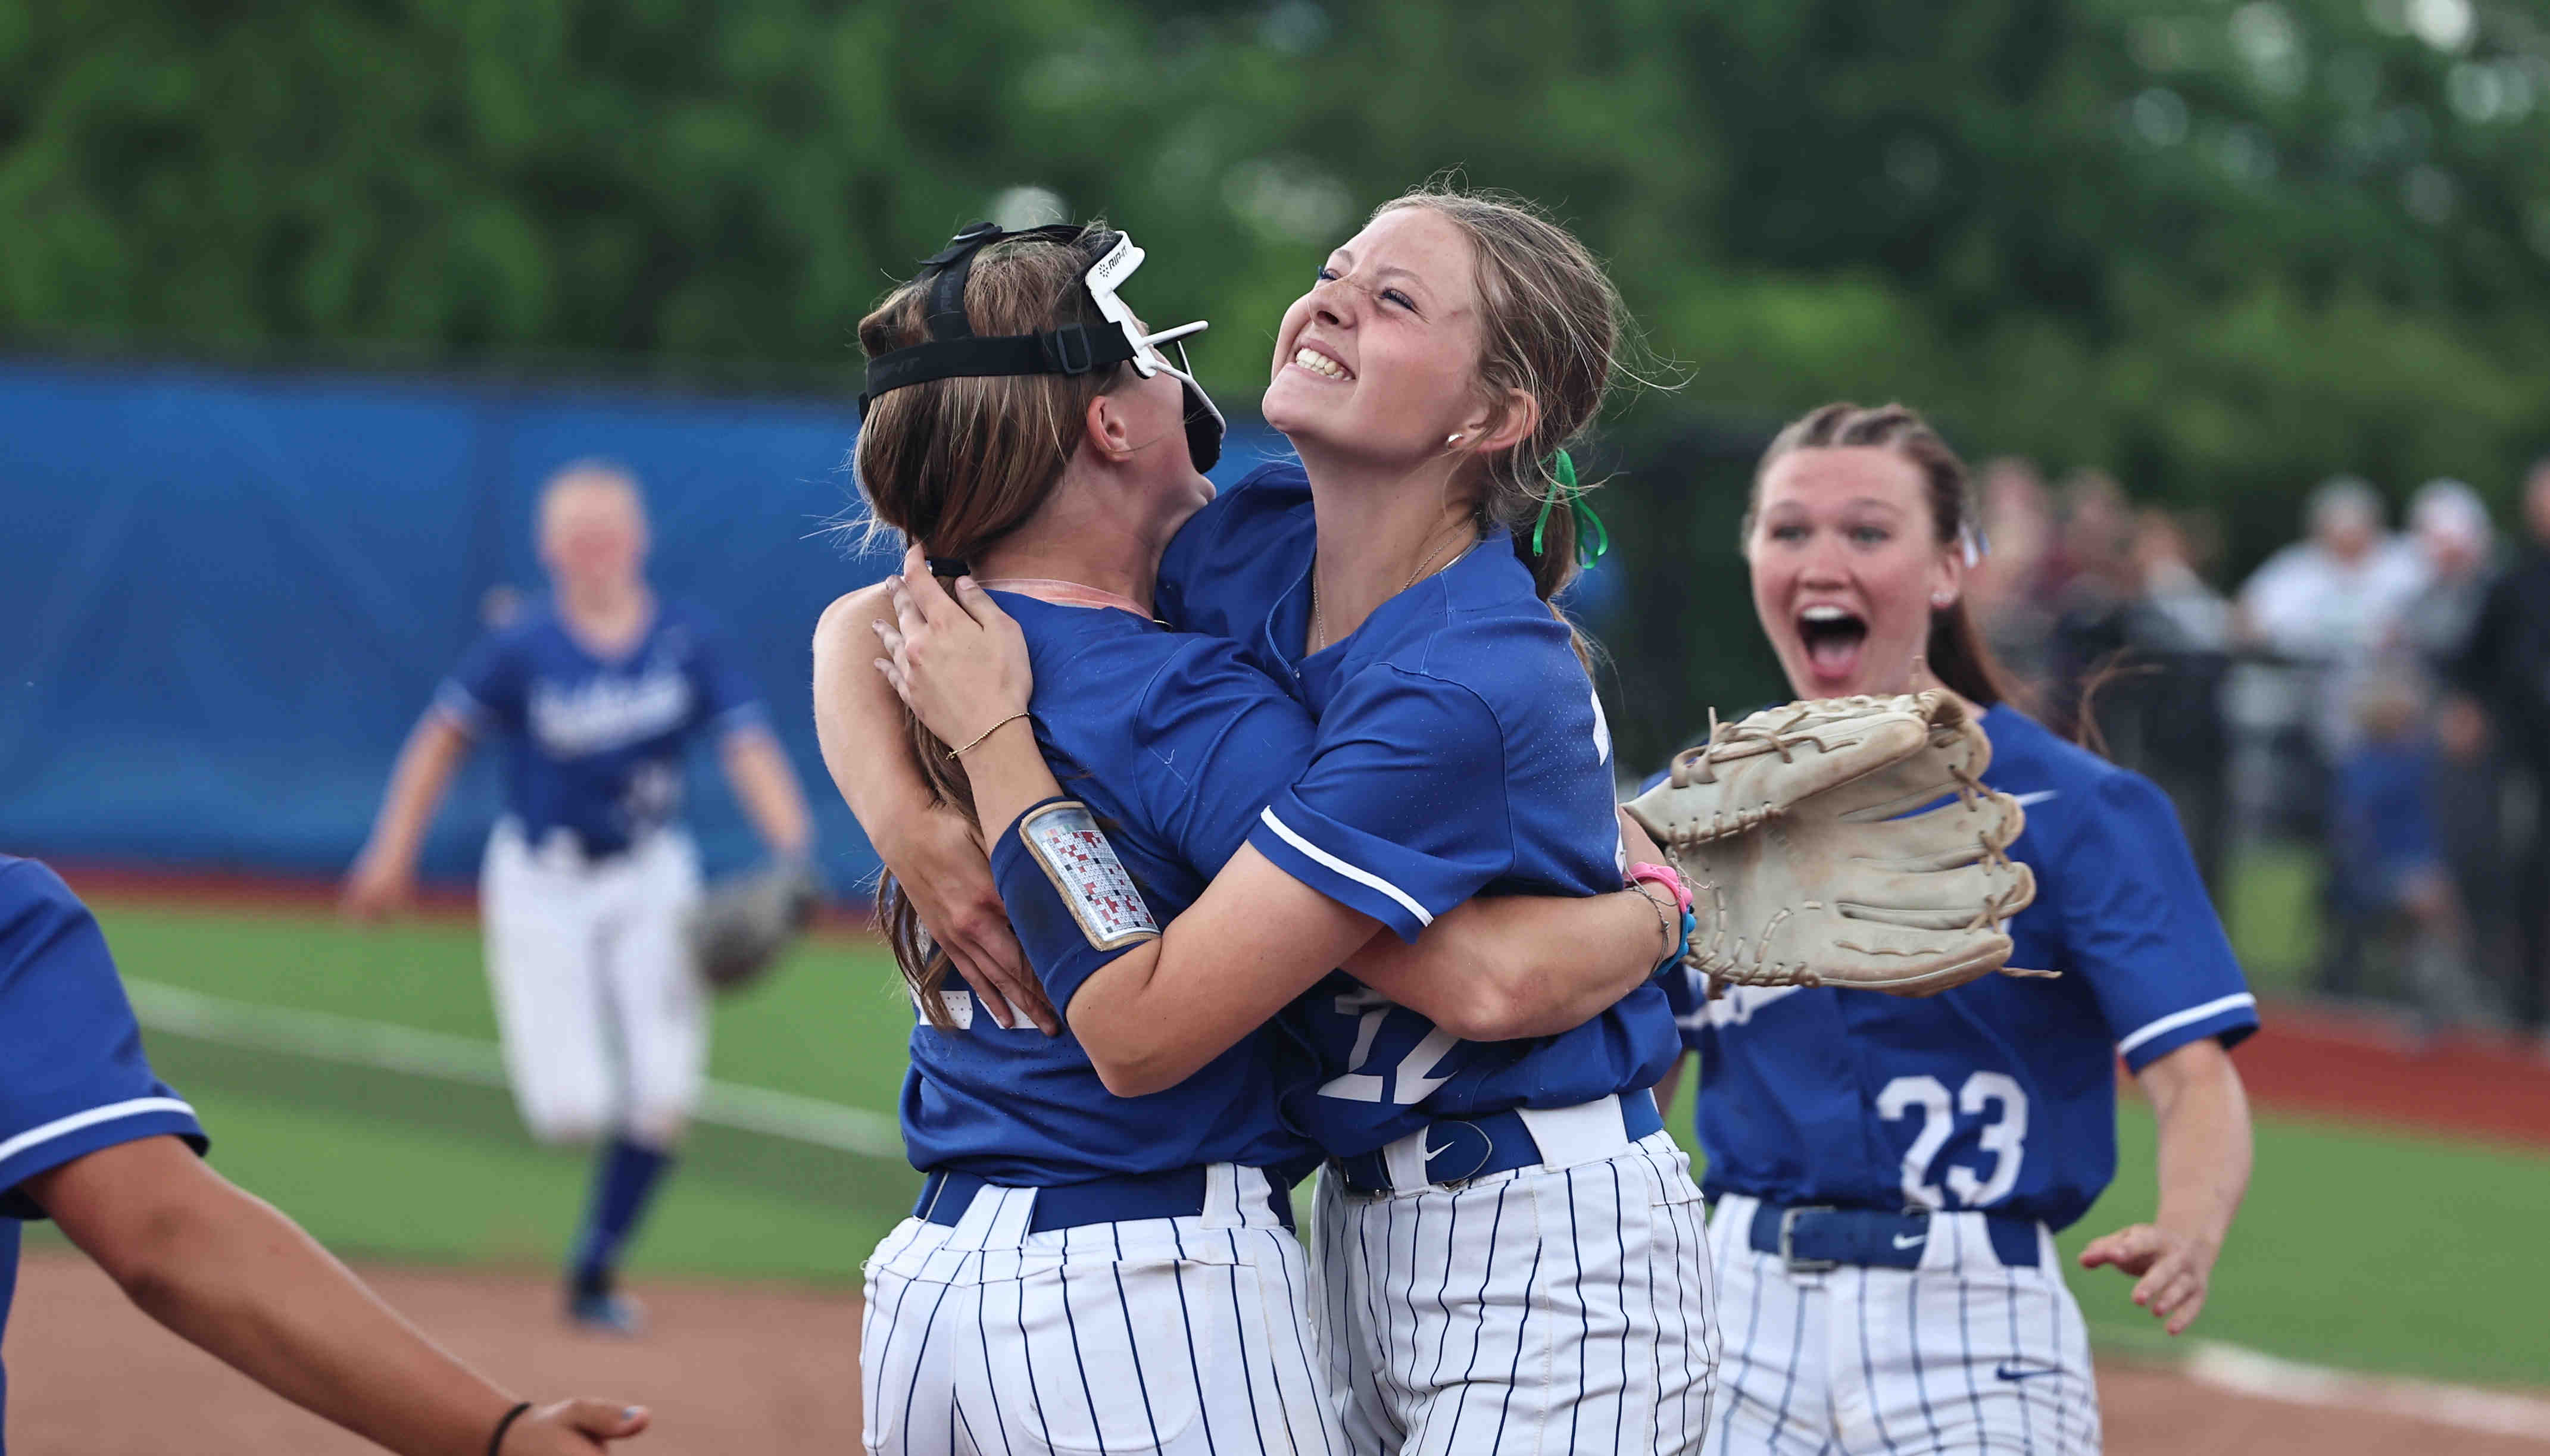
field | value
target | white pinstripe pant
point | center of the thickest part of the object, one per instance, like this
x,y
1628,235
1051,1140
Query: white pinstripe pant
x,y
1181,1336
1538,1310
1960,1355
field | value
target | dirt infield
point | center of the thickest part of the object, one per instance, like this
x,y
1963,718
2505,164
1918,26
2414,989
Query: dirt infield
x,y
735,1369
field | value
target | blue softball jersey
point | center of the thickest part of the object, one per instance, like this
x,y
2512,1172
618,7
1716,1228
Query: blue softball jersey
x,y
1174,743
2000,1094
1461,751
72,1076
594,745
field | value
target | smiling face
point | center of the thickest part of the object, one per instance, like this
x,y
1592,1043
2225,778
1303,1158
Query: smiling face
x,y
1847,566
1379,361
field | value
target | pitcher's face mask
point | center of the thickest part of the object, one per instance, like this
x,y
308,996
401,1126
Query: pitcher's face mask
x,y
954,350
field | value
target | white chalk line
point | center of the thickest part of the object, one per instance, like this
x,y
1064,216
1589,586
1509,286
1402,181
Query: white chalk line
x,y
2250,1372
383,1047
351,1041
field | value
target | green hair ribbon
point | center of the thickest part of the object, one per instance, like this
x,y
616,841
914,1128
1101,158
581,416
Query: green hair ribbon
x,y
1588,526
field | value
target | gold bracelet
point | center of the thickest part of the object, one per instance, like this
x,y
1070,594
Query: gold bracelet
x,y
1665,916
987,732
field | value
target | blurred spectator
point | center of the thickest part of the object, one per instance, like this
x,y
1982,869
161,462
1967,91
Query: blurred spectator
x,y
2007,586
2315,614
2137,660
2449,527
2449,530
2334,596
2504,668
2386,866
2185,612
2091,565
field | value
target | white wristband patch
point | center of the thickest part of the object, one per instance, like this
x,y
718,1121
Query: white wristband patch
x,y
1085,871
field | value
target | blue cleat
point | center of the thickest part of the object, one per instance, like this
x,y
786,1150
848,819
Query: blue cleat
x,y
606,1311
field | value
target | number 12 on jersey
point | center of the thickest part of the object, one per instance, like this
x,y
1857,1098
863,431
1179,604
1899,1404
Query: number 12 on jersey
x,y
2003,1138
1411,1080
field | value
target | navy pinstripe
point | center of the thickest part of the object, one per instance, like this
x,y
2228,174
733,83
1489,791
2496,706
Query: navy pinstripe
x,y
927,1326
1752,1322
1478,1333
1796,1343
1965,1336
1681,1402
1282,1404
1620,1296
1521,1318
1584,1313
1867,1369
2027,1407
1444,1336
1913,1342
982,1295
1132,1343
1027,1353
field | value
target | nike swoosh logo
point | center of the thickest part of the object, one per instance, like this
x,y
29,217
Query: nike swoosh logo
x,y
2006,1370
1913,1242
2039,797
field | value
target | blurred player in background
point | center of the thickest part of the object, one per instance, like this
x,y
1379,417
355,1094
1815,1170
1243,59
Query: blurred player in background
x,y
589,878
92,1140
1888,1173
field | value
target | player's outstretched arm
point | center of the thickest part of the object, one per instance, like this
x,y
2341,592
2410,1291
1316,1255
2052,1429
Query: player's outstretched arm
x,y
383,877
929,849
2205,1158
758,770
229,1273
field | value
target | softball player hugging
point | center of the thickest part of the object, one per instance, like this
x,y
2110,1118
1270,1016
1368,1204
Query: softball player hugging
x,y
1888,1173
1087,1270
588,876
1510,1247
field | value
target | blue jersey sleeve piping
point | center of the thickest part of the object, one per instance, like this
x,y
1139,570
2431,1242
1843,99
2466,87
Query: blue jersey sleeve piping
x,y
69,1138
2229,1018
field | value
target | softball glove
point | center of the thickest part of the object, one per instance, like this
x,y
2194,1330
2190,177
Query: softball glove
x,y
1845,841
742,926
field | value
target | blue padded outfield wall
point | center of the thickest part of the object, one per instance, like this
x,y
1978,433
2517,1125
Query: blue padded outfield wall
x,y
228,594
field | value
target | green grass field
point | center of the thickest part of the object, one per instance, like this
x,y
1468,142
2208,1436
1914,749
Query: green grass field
x,y
2402,1253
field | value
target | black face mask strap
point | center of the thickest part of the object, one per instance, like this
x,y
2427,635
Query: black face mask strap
x,y
954,350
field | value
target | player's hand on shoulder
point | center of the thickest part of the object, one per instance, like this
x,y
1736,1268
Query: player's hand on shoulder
x,y
939,862
958,662
2173,1271
572,1428
375,888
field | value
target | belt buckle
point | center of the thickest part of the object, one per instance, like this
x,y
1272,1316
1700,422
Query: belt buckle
x,y
1788,1236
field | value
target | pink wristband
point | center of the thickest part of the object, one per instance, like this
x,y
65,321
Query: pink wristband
x,y
1657,874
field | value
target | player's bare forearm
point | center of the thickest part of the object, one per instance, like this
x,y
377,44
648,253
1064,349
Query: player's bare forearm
x,y
767,788
2206,1149
1256,939
927,847
1519,965
384,874
2205,1157
229,1274
859,724
433,753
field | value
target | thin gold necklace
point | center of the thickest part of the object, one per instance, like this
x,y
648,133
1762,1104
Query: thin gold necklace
x,y
1318,622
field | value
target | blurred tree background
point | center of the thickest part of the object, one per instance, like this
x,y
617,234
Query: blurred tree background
x,y
2220,249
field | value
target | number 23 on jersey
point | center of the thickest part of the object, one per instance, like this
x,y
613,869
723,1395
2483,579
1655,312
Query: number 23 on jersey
x,y
1996,1099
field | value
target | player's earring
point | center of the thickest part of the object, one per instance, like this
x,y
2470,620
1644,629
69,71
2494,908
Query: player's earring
x,y
1453,439
1941,600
